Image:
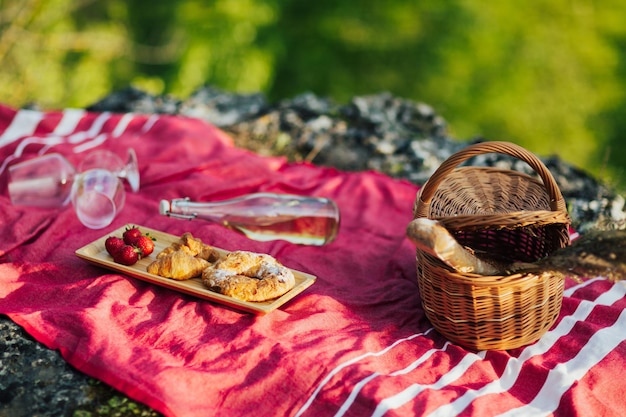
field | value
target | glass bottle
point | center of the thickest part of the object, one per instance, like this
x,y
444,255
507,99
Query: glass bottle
x,y
265,216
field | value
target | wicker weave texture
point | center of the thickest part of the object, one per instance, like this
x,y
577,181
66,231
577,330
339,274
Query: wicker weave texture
x,y
502,215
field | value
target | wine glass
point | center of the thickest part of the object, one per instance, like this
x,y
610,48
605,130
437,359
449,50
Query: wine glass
x,y
110,161
96,189
97,195
44,181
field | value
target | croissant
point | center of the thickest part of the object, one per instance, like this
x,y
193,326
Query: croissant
x,y
178,265
192,246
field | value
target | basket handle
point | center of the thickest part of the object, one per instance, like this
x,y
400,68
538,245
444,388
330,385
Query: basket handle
x,y
428,190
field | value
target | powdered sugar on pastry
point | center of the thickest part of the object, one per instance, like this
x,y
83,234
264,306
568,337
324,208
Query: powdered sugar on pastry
x,y
249,276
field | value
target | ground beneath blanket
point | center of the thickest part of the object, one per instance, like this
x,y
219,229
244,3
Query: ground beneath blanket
x,y
36,381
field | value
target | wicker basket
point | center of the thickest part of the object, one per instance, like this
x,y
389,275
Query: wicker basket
x,y
510,216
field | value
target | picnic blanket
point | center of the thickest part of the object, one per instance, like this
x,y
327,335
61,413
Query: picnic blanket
x,y
355,343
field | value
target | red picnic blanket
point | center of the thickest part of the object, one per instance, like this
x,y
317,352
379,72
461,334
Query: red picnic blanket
x,y
355,343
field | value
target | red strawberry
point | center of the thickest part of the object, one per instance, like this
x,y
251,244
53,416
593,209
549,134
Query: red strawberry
x,y
113,244
145,244
127,255
131,234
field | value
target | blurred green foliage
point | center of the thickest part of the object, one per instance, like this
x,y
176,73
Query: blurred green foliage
x,y
547,74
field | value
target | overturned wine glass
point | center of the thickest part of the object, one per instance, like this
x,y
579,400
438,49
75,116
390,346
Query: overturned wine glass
x,y
265,216
96,189
108,160
97,196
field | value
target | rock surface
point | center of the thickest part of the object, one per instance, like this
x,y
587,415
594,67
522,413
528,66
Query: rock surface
x,y
399,137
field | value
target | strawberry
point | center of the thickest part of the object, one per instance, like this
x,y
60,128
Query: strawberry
x,y
145,244
131,234
127,255
113,244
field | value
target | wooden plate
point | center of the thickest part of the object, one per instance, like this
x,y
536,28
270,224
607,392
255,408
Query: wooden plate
x,y
96,254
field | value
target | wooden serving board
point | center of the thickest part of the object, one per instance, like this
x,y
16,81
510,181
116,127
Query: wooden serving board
x,y
96,253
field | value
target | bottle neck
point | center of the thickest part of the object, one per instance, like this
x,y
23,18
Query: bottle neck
x,y
184,208
178,208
